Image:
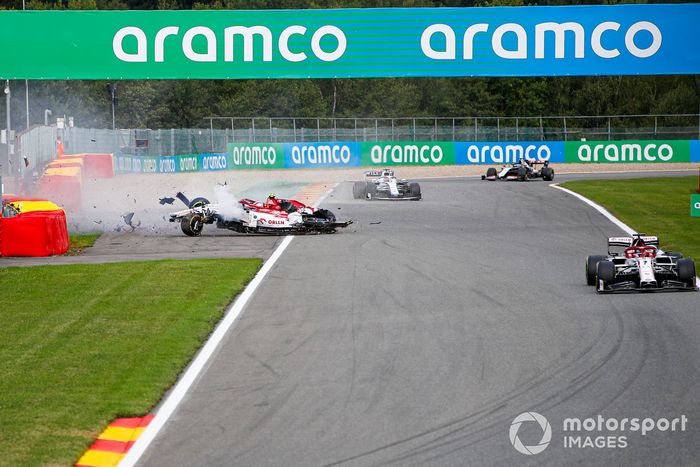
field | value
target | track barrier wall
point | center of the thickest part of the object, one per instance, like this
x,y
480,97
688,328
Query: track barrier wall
x,y
241,156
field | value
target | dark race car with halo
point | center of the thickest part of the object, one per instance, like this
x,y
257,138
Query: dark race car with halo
x,y
638,264
383,185
525,169
272,216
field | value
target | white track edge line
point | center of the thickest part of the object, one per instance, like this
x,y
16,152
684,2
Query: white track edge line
x,y
629,230
185,382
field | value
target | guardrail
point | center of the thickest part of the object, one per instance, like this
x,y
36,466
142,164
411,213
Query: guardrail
x,y
389,153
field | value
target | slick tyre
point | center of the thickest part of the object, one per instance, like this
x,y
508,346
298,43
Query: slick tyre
x,y
490,172
548,174
686,271
605,271
591,265
415,190
192,225
522,174
198,202
359,190
371,190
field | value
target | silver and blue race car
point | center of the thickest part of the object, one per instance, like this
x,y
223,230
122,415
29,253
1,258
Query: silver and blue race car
x,y
383,185
638,264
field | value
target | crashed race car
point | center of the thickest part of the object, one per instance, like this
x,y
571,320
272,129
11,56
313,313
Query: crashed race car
x,y
383,185
522,171
273,216
638,264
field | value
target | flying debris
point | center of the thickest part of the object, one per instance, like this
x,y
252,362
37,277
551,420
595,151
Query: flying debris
x,y
166,200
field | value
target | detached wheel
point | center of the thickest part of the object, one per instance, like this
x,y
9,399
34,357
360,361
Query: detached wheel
x,y
548,174
197,202
686,271
522,174
192,225
591,265
359,190
415,190
605,272
491,172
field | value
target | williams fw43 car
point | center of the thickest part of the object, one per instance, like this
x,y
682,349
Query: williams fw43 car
x,y
638,264
522,171
383,185
273,216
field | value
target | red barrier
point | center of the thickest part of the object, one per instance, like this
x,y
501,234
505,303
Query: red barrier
x,y
34,233
96,165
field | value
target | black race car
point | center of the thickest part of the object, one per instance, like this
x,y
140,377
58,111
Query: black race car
x,y
524,170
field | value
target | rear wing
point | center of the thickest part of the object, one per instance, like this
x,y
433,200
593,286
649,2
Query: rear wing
x,y
617,245
379,173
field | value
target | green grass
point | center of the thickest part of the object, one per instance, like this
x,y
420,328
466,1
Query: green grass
x,y
83,344
79,242
655,206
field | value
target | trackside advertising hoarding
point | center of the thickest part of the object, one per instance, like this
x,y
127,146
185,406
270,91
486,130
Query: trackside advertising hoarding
x,y
362,42
627,151
402,153
508,153
407,153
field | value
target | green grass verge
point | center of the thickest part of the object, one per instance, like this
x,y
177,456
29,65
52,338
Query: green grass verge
x,y
84,344
655,206
79,242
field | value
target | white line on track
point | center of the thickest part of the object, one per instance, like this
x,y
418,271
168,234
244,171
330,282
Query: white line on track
x,y
195,368
629,230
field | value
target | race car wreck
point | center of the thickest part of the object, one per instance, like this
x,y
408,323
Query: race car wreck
x,y
640,266
522,171
274,216
383,185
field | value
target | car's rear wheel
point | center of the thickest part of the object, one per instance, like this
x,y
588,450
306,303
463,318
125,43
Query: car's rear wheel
x,y
359,190
605,271
491,172
192,225
591,265
686,271
522,173
415,190
548,174
198,202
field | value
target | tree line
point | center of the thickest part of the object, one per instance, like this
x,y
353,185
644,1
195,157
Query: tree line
x,y
184,104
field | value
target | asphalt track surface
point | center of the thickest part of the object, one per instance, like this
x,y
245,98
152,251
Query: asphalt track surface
x,y
418,335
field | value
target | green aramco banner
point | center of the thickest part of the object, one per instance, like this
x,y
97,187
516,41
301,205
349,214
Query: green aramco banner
x,y
351,43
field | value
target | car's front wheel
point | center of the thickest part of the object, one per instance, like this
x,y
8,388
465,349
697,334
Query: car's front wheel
x,y
605,271
192,225
591,265
686,271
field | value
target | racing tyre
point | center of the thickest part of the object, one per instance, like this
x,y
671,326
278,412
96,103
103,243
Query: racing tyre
x,y
548,174
490,172
605,272
197,202
371,190
591,265
415,190
522,173
359,190
324,214
192,225
686,271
